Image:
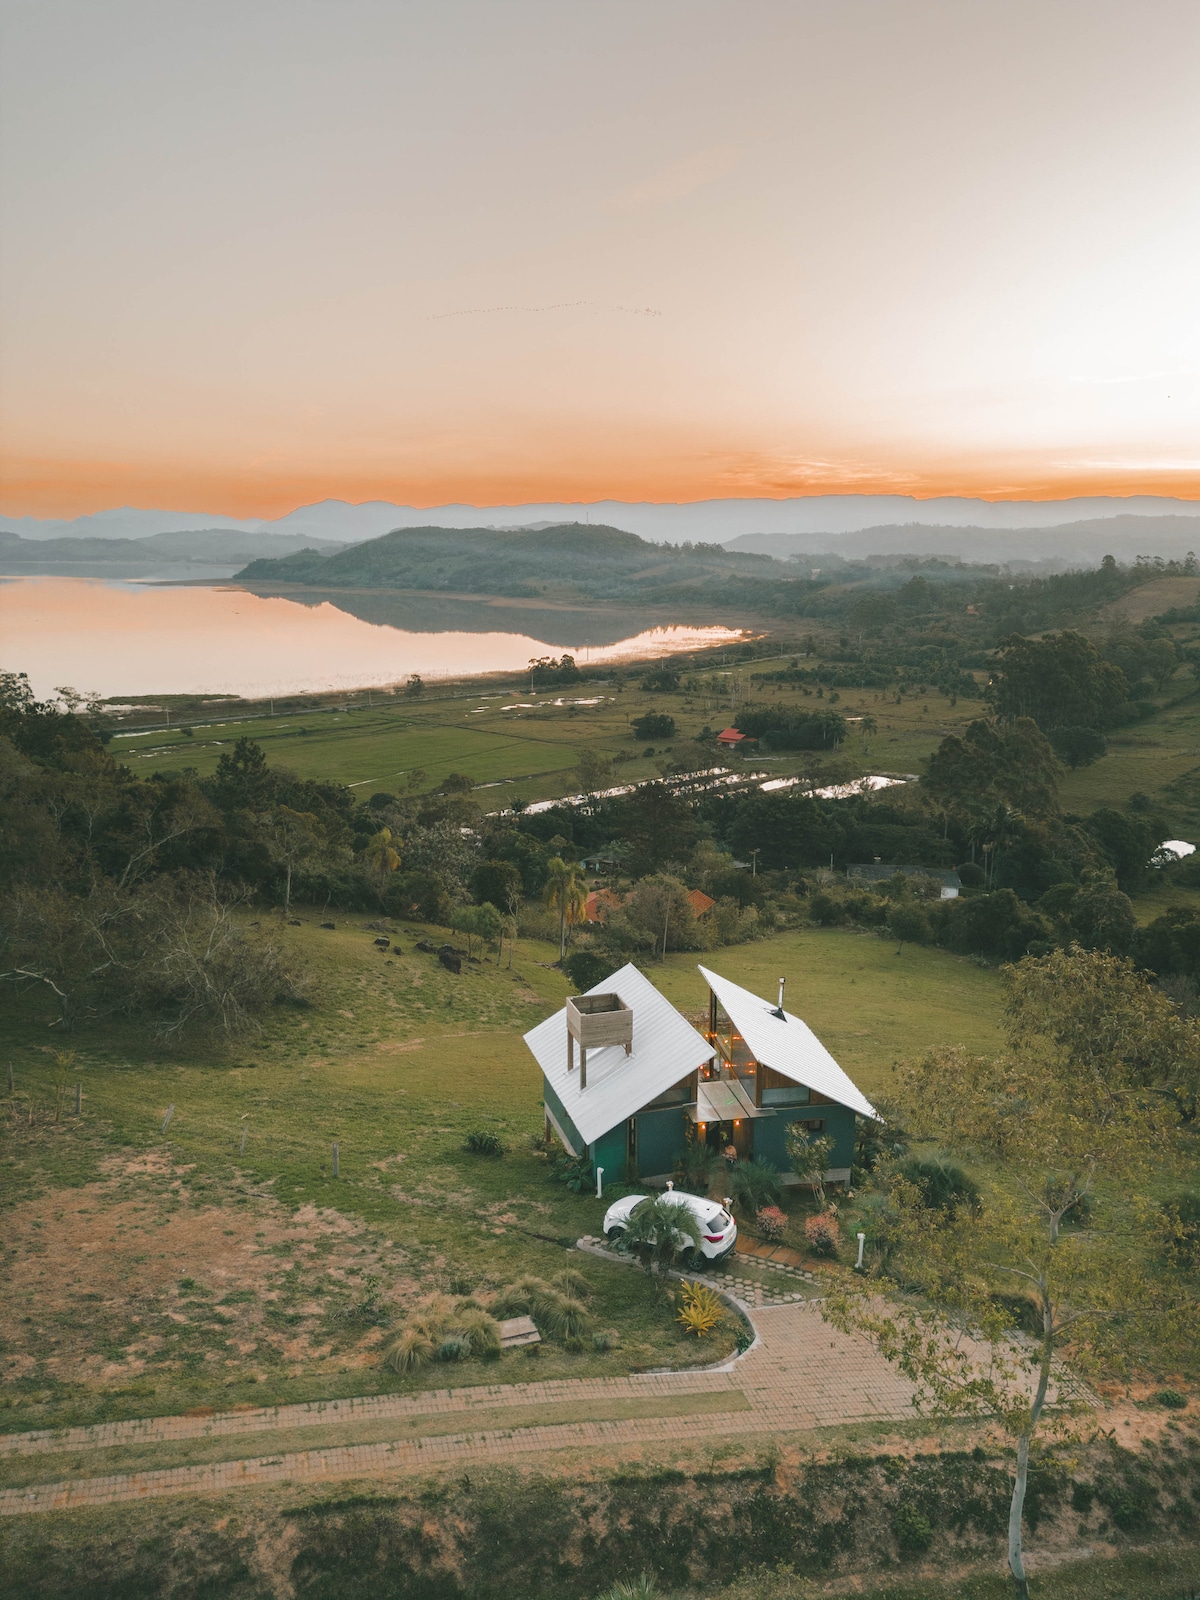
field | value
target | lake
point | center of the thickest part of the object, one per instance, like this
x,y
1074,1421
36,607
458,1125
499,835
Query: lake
x,y
116,638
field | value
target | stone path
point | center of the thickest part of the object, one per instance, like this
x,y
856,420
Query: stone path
x,y
800,1374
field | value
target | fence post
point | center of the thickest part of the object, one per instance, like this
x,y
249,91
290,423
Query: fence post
x,y
169,1115
78,1099
335,1158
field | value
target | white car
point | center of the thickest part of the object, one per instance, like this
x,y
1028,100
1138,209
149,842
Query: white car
x,y
711,1231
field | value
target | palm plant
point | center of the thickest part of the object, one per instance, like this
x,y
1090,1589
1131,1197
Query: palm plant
x,y
381,859
656,1232
753,1185
565,893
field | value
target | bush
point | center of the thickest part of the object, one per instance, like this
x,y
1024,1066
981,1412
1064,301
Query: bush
x,y
912,1528
772,1223
454,1347
971,875
824,909
941,1187
700,1309
574,1171
606,1339
822,1234
586,969
654,725
1171,1399
754,1184
482,1142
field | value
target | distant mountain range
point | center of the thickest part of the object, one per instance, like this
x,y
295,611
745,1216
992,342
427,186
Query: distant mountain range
x,y
207,547
1124,536
708,521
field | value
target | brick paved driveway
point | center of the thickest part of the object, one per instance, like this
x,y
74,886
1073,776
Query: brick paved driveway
x,y
801,1374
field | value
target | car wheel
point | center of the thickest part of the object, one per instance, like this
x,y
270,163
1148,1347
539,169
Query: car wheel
x,y
614,1233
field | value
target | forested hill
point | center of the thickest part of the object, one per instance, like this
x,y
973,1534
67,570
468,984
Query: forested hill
x,y
600,562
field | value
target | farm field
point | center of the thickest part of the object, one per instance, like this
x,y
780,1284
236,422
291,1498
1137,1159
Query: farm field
x,y
154,1271
530,743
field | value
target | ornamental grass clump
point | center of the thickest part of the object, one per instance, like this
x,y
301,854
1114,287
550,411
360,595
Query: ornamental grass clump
x,y
772,1223
700,1309
568,1318
479,1329
483,1142
822,1234
409,1350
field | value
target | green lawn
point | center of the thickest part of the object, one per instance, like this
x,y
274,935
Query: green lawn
x,y
867,1005
149,1273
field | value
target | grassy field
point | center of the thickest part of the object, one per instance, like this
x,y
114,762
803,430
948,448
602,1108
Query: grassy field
x,y
529,743
150,1272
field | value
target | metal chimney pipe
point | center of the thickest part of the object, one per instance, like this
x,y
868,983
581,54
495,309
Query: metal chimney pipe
x,y
782,981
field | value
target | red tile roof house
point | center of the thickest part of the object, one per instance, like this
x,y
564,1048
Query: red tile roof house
x,y
731,738
700,902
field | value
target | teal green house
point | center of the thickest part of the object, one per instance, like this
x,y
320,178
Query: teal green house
x,y
628,1081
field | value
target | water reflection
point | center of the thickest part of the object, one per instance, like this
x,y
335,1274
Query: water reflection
x,y
119,638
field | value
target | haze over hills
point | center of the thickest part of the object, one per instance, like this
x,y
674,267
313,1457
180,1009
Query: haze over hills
x,y
1124,536
707,521
225,547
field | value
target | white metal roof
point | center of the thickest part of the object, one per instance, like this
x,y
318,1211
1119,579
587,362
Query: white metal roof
x,y
786,1045
665,1048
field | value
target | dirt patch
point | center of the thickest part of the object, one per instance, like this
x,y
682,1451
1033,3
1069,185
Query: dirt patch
x,y
139,1272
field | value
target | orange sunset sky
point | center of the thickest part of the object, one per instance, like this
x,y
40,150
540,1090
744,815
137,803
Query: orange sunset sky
x,y
267,252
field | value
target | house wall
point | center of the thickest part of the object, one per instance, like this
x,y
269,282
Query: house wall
x,y
555,1105
608,1151
770,1134
660,1142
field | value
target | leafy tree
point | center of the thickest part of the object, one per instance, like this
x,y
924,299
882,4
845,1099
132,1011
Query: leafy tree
x,y
989,767
653,725
907,923
794,730
656,825
1171,943
658,909
1095,1018
294,839
586,969
593,771
414,687
1128,843
496,881
995,925
661,680
1086,1287
1059,680
1102,918
1078,747
242,780
565,893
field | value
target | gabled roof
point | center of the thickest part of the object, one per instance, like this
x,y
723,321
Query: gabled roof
x,y
730,735
786,1045
700,902
665,1049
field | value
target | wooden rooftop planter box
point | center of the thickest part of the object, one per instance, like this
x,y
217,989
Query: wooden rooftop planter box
x,y
595,1021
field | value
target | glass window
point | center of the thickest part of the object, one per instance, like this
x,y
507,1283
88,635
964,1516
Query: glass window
x,y
791,1094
